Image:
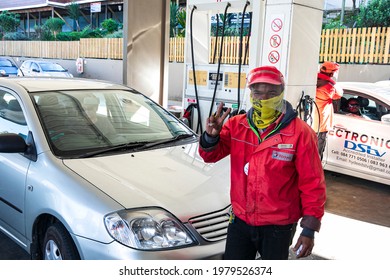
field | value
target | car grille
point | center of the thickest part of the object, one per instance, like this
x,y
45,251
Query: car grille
x,y
212,226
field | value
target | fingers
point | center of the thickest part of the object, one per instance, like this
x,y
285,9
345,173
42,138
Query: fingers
x,y
215,121
226,113
219,109
303,247
304,252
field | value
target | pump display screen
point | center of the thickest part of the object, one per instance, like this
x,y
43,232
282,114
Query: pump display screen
x,y
213,78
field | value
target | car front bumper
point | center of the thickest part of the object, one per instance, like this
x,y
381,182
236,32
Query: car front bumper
x,y
93,250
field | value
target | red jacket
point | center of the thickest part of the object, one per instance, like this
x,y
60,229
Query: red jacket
x,y
284,180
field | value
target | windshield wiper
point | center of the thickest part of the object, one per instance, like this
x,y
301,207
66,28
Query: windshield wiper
x,y
165,141
122,147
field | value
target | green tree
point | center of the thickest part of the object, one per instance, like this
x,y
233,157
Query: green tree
x,y
375,14
173,9
74,13
43,33
55,25
181,20
110,25
177,22
9,22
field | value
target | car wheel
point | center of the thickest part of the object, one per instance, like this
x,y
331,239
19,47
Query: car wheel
x,y
58,244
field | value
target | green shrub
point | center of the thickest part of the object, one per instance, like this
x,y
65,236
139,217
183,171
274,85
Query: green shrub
x,y
87,32
117,34
15,36
68,36
110,25
42,33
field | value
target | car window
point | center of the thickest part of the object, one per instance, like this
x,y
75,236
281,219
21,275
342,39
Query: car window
x,y
76,122
12,119
6,63
47,67
369,107
34,67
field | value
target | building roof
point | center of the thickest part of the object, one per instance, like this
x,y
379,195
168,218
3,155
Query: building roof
x,y
36,4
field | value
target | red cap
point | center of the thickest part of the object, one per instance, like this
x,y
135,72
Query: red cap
x,y
265,74
329,67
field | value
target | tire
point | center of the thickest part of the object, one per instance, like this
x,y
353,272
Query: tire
x,y
58,244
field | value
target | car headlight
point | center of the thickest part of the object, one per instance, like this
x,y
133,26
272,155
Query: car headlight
x,y
147,229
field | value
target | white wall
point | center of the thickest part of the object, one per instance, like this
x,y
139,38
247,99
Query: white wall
x,y
363,72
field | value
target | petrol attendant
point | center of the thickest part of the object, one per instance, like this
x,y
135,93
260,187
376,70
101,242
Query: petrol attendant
x,y
327,91
276,173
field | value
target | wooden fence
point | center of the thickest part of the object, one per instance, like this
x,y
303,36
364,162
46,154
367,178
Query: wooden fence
x,y
105,48
354,45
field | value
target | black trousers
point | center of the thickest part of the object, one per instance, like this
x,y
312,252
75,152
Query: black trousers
x,y
272,242
322,137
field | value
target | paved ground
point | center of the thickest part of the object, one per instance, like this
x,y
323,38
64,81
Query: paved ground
x,y
357,211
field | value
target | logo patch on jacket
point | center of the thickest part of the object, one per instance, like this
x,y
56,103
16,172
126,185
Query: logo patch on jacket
x,y
282,156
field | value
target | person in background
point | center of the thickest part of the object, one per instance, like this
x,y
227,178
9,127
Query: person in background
x,y
353,107
326,93
276,173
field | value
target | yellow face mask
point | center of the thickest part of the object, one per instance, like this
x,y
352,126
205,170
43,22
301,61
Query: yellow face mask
x,y
266,111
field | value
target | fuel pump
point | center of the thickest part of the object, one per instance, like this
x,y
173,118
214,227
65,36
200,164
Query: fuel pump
x,y
285,34
209,83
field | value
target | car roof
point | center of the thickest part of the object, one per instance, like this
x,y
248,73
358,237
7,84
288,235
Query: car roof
x,y
39,84
39,61
375,90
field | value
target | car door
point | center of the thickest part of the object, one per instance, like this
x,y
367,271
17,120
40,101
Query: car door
x,y
13,169
360,145
35,69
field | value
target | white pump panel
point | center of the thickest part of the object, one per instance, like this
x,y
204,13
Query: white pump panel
x,y
285,34
291,42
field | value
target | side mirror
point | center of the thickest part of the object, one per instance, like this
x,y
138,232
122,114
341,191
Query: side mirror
x,y
12,143
36,70
386,119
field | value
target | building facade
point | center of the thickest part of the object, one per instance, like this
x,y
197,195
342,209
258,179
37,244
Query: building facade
x,y
36,12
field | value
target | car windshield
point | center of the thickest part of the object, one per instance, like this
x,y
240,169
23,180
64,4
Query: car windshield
x,y
51,67
80,123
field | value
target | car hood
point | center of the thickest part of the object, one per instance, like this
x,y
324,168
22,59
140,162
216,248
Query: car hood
x,y
174,178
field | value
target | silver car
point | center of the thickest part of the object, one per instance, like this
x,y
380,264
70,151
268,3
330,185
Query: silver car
x,y
94,170
42,68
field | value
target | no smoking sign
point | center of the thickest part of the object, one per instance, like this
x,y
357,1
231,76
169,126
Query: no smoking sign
x,y
273,57
276,24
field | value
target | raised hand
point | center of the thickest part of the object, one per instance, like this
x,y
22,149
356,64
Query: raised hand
x,y
214,123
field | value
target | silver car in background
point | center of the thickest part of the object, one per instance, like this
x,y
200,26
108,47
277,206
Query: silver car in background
x,y
94,170
42,68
